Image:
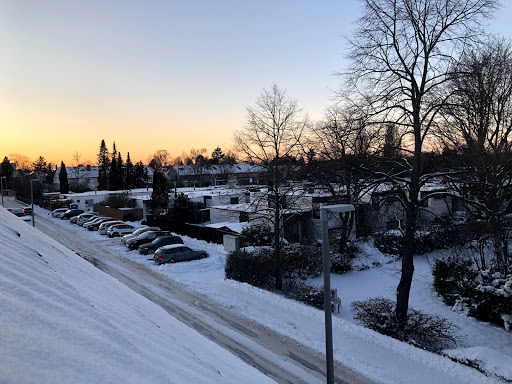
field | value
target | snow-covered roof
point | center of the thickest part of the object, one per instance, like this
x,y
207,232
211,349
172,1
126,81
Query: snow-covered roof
x,y
218,169
65,321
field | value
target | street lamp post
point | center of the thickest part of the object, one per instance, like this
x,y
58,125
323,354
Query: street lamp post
x,y
2,187
32,199
324,216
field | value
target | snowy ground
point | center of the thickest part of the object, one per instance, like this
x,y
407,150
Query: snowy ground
x,y
64,321
380,358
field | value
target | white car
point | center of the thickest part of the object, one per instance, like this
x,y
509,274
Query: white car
x,y
138,232
102,229
117,230
59,211
84,217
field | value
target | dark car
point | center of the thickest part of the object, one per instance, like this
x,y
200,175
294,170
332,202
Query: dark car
x,y
177,252
148,248
146,237
27,210
95,224
70,213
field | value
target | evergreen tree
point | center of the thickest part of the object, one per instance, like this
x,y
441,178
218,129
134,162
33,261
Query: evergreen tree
x,y
50,173
39,165
139,174
6,171
104,164
112,176
160,195
120,184
63,178
129,173
217,156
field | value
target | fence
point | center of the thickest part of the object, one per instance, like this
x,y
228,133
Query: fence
x,y
211,235
117,213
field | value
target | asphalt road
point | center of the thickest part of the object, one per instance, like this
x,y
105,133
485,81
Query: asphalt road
x,y
276,355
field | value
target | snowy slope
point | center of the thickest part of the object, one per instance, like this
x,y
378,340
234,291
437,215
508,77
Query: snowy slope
x,y
64,321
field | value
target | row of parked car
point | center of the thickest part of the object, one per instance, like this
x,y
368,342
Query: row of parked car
x,y
167,248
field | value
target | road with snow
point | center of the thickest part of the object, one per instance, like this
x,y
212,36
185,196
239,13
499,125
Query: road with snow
x,y
277,356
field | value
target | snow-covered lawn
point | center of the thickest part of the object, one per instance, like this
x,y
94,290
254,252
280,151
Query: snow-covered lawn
x,y
380,358
64,321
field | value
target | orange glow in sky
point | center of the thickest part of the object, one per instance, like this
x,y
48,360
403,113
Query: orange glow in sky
x,y
171,75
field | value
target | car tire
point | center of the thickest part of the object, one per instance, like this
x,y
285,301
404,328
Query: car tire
x,y
202,256
115,234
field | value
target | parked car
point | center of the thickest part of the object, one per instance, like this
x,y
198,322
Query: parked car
x,y
27,211
59,211
148,248
102,229
146,237
117,230
137,232
70,213
19,212
177,252
74,219
85,217
93,225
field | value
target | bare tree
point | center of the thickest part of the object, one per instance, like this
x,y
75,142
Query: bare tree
x,y
161,158
270,138
479,125
344,144
401,54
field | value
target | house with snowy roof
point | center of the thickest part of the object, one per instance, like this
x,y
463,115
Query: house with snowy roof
x,y
206,175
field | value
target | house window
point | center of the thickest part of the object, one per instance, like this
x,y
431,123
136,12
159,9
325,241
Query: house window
x,y
87,181
244,217
234,200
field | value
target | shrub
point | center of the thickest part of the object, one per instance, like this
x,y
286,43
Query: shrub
x,y
256,235
341,262
305,293
430,332
453,279
427,240
301,261
255,267
484,295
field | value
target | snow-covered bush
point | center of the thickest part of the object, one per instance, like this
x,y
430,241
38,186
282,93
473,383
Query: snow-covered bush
x,y
426,240
453,278
300,291
430,332
256,265
341,262
481,294
256,235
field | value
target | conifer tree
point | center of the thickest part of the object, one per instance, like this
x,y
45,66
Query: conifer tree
x,y
112,176
120,173
160,195
129,173
63,178
104,164
139,174
50,173
39,165
6,170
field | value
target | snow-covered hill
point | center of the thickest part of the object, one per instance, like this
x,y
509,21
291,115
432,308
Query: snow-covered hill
x,y
64,321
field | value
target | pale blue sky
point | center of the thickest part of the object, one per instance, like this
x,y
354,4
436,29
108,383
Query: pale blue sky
x,y
162,74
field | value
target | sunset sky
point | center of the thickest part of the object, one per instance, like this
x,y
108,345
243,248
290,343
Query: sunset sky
x,y
152,75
